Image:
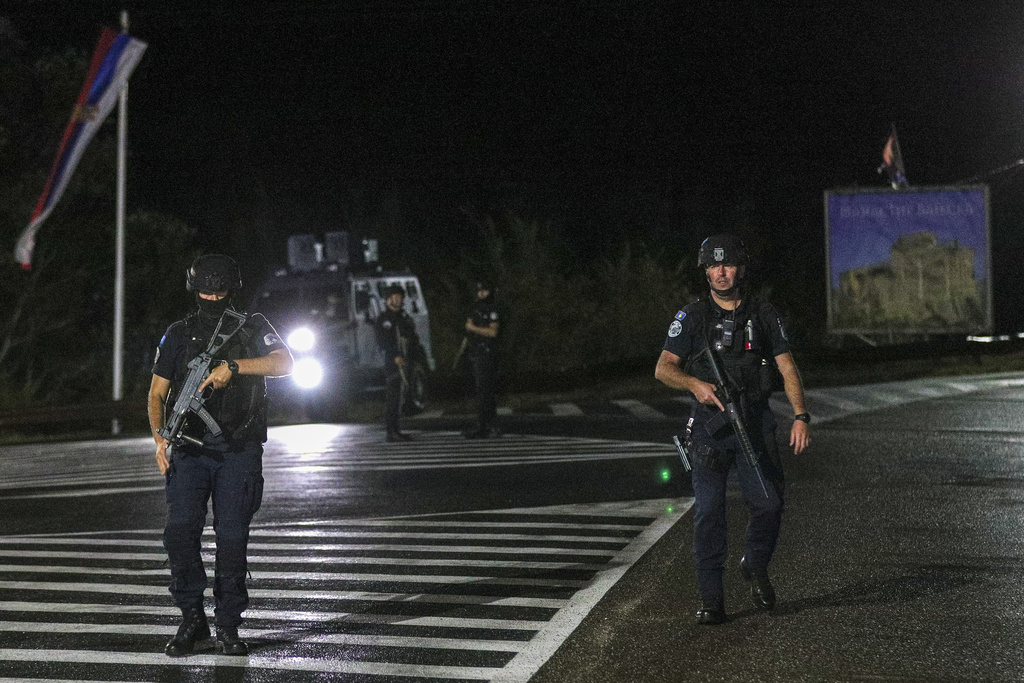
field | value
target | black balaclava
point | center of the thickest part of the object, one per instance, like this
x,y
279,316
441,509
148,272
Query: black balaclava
x,y
213,308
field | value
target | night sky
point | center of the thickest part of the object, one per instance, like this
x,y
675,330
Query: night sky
x,y
299,113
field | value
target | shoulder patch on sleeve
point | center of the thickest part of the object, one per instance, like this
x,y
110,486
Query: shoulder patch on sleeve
x,y
675,328
680,315
271,339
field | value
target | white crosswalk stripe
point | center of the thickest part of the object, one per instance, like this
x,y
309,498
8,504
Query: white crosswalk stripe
x,y
834,403
85,470
832,399
566,409
639,409
463,596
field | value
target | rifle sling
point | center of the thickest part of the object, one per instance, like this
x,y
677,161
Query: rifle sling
x,y
218,340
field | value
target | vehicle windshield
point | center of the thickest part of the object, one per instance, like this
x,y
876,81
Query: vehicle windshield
x,y
305,303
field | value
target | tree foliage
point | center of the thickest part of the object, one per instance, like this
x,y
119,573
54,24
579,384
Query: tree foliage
x,y
561,314
56,321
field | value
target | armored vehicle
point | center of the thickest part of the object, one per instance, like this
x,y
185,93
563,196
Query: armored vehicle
x,y
324,304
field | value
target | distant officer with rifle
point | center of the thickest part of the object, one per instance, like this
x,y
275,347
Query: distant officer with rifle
x,y
481,347
398,341
731,352
208,404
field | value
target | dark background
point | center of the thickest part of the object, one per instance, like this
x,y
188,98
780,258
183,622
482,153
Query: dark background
x,y
296,105
652,123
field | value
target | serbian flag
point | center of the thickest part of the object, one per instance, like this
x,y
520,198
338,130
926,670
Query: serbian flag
x,y
112,62
892,162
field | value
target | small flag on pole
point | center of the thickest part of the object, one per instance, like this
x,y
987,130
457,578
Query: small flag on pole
x,y
112,63
892,162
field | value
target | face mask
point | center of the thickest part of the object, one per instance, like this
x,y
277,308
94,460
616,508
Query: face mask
x,y
213,308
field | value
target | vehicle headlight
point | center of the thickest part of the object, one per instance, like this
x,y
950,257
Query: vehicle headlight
x,y
307,373
301,339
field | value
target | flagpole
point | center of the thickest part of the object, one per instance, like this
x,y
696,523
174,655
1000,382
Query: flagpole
x,y
122,137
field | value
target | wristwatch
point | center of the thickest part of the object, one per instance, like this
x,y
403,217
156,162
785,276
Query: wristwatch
x,y
803,417
233,367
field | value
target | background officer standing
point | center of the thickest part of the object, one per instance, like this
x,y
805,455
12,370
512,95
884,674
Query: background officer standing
x,y
482,349
750,343
398,341
228,467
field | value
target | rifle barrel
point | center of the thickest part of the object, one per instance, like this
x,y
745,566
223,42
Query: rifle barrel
x,y
746,445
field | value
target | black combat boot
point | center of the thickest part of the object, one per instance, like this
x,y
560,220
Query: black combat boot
x,y
762,593
193,635
230,643
711,612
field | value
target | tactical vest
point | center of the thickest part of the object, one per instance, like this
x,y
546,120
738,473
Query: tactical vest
x,y
240,408
481,316
747,361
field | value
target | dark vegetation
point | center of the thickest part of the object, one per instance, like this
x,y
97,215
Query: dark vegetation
x,y
588,282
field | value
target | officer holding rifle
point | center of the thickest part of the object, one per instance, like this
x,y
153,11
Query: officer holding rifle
x,y
731,352
216,436
398,341
481,329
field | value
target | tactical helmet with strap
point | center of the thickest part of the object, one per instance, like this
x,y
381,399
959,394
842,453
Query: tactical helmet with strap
x,y
722,249
213,273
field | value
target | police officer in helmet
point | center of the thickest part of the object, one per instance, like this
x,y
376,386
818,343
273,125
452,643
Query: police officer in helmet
x,y
481,328
398,341
227,468
752,349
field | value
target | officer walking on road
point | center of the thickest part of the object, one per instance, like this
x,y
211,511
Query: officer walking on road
x,y
749,341
481,328
397,339
228,467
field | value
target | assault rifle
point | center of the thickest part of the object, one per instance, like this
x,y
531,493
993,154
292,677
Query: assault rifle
x,y
403,349
410,397
190,400
733,412
460,353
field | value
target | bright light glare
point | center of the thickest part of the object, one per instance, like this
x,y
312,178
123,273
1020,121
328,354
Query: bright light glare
x,y
307,373
308,442
301,339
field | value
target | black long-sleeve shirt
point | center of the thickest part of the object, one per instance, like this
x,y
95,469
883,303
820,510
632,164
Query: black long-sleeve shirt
x,y
396,335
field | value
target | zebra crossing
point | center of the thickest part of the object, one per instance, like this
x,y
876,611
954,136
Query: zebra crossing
x,y
836,402
317,452
485,596
824,404
481,596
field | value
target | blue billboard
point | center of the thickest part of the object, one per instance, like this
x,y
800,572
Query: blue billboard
x,y
908,261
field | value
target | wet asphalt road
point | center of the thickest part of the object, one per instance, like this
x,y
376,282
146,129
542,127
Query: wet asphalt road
x,y
900,557
900,560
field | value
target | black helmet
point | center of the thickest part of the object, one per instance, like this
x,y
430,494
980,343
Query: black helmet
x,y
722,249
484,283
393,289
213,273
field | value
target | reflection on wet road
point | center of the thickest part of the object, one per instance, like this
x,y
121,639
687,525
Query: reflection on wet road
x,y
477,594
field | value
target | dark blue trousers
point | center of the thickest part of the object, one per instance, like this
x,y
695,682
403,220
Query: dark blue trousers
x,y
713,460
392,399
234,481
485,379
